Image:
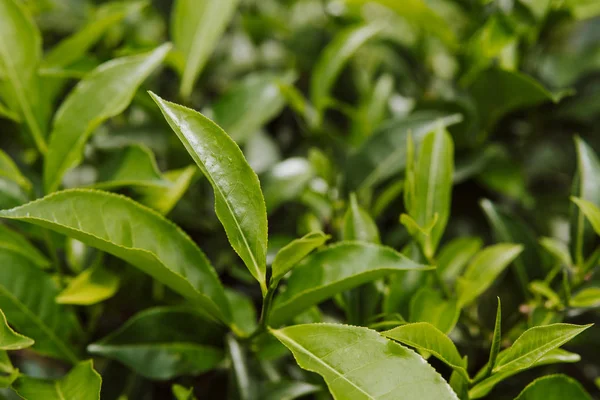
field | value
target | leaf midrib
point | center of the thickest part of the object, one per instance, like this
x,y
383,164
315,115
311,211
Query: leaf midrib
x,y
550,345
305,351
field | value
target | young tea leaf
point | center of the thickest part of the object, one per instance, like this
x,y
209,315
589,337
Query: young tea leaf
x,y
534,343
483,270
294,252
239,202
196,27
100,95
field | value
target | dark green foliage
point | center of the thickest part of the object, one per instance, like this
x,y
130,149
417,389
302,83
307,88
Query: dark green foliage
x,y
281,199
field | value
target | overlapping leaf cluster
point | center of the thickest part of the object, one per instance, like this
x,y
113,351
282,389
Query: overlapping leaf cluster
x,y
280,199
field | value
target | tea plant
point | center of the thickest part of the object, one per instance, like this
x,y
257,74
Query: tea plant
x,y
367,199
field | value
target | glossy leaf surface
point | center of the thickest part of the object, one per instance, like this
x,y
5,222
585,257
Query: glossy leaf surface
x,y
357,363
239,202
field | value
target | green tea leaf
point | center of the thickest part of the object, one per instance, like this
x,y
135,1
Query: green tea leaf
x,y
75,46
591,212
332,61
534,343
586,298
428,305
431,188
334,269
155,245
181,393
419,13
9,170
239,202
20,53
243,312
509,228
250,104
11,340
482,388
557,249
164,199
483,270
12,241
554,387
358,224
426,337
585,187
27,298
102,94
81,383
292,253
92,286
135,165
357,363
512,90
196,27
454,256
383,154
156,345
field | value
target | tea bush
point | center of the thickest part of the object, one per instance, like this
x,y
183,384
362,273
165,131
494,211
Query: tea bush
x,y
281,199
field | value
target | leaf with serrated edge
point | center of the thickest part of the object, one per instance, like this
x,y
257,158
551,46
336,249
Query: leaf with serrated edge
x,y
424,336
555,356
357,363
534,343
239,202
130,231
11,340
